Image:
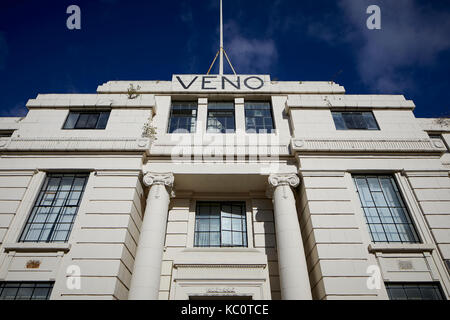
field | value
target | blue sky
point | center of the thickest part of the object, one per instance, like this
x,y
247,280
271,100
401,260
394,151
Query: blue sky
x,y
308,40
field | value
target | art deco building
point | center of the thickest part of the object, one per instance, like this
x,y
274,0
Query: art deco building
x,y
248,188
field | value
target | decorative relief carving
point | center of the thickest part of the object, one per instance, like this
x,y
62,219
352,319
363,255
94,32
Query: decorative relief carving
x,y
33,264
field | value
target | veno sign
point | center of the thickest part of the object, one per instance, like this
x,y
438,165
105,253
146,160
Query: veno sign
x,y
219,82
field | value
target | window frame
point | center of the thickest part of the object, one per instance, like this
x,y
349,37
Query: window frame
x,y
354,111
26,284
210,103
171,112
80,113
401,198
271,116
37,205
221,203
437,288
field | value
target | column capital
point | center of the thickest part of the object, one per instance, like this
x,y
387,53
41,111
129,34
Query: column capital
x,y
165,179
281,179
151,178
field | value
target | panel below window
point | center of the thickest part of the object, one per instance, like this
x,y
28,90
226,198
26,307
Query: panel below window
x,y
414,291
25,290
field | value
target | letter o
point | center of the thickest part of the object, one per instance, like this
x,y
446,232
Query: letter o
x,y
254,88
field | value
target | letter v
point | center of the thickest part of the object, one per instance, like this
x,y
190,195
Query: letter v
x,y
189,85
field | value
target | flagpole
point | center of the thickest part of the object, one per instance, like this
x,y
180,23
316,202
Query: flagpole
x,y
221,40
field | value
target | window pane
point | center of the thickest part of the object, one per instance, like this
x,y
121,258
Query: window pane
x,y
92,120
220,117
87,120
48,221
350,120
220,224
258,117
71,120
25,290
103,120
183,117
385,215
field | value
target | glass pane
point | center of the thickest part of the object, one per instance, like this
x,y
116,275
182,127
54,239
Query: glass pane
x,y
370,121
226,224
92,120
413,293
364,192
397,293
226,211
226,238
71,120
237,238
214,224
237,224
339,121
215,239
385,215
202,225
390,193
103,120
40,294
378,197
24,293
82,121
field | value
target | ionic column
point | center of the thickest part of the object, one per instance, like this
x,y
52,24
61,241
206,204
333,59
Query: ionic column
x,y
147,265
293,270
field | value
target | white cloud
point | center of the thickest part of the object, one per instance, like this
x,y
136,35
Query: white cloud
x,y
411,35
249,55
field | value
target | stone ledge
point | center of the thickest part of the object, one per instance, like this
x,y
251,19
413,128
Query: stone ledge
x,y
36,247
371,145
76,144
400,247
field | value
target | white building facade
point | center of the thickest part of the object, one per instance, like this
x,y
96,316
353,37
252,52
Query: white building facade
x,y
247,189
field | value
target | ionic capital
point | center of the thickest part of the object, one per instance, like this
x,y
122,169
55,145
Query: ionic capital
x,y
165,179
282,179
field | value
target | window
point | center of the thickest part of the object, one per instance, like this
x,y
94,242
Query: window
x,y
220,224
55,209
447,263
345,120
6,133
220,117
258,117
86,120
183,117
414,291
25,290
384,209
